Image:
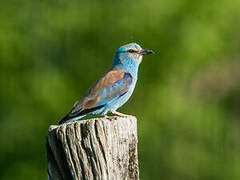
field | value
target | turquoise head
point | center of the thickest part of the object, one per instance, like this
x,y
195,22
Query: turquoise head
x,y
129,56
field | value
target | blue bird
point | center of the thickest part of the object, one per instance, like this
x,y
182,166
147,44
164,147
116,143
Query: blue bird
x,y
114,88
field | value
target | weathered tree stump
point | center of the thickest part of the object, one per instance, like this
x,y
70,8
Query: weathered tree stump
x,y
99,148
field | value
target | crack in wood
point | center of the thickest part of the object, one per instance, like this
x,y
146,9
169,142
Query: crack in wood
x,y
99,148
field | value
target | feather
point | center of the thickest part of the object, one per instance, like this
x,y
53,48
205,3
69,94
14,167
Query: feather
x,y
108,88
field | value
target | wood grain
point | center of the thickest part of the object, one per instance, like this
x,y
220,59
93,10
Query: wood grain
x,y
98,148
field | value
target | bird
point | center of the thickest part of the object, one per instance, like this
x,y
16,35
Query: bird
x,y
114,88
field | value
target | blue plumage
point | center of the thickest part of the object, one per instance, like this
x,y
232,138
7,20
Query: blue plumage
x,y
114,88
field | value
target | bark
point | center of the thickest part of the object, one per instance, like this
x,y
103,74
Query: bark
x,y
99,148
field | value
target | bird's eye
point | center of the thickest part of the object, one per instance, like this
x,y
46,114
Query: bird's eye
x,y
131,51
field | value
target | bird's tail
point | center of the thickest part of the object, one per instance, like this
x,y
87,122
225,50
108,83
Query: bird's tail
x,y
68,118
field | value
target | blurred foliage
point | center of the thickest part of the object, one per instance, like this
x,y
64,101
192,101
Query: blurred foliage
x,y
188,93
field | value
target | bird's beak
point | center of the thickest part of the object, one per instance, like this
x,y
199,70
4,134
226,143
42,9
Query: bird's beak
x,y
146,51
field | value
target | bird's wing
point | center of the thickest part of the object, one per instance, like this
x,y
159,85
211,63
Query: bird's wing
x,y
110,87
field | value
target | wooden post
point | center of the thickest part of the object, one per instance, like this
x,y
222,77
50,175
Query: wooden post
x,y
99,148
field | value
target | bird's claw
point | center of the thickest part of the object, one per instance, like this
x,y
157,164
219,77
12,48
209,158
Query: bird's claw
x,y
105,116
119,114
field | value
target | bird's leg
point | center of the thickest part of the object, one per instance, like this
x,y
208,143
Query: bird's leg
x,y
119,114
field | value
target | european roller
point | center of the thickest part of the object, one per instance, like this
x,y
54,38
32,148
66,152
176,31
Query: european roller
x,y
114,88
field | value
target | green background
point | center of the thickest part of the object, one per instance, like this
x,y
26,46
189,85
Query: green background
x,y
187,99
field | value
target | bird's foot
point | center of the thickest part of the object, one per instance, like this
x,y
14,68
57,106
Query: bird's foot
x,y
119,114
105,116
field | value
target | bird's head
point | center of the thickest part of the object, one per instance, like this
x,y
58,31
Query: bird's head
x,y
130,54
